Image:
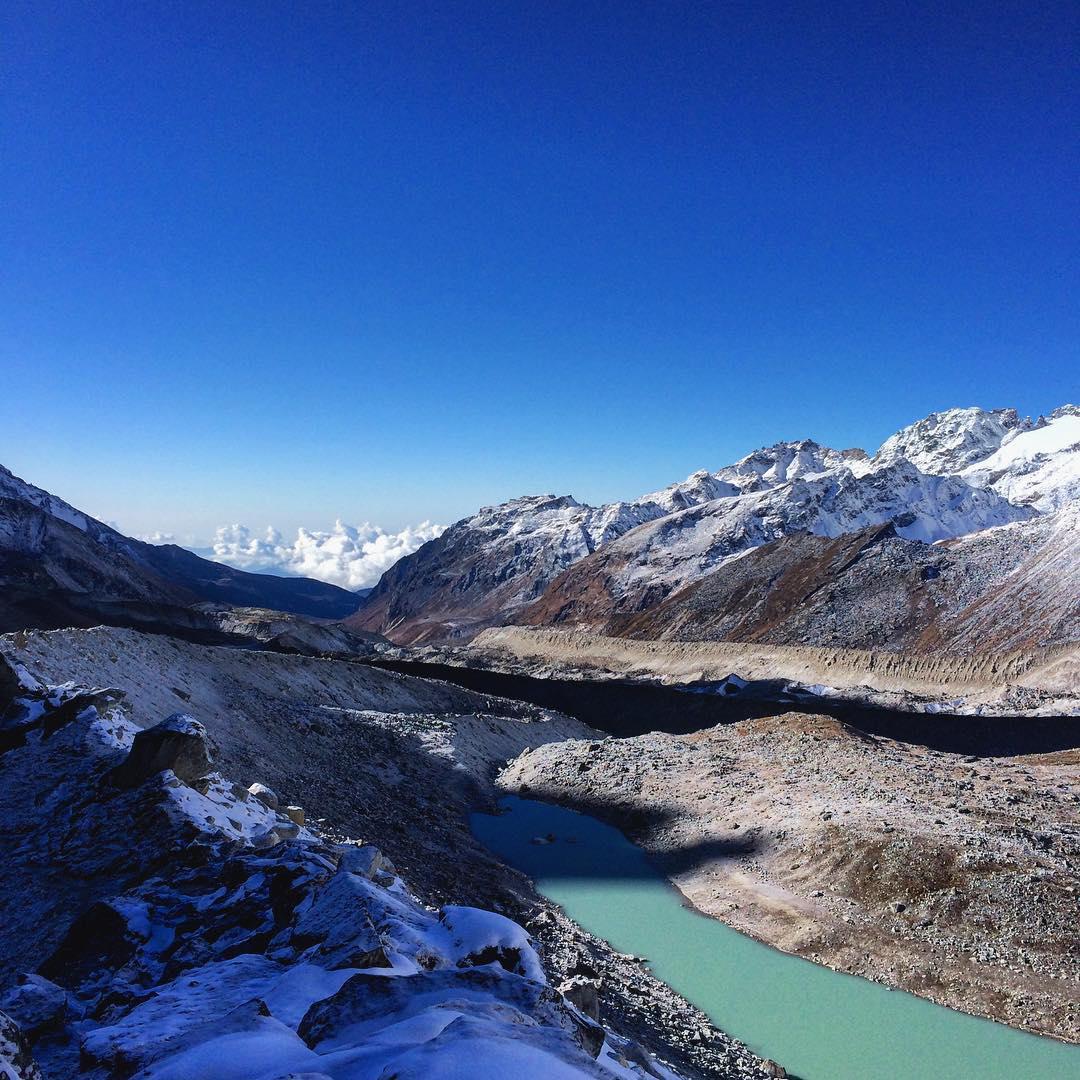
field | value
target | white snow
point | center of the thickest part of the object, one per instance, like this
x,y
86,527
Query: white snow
x,y
1039,467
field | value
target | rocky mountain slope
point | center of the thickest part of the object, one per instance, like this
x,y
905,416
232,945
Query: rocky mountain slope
x,y
550,561
643,567
393,761
61,567
1011,587
179,926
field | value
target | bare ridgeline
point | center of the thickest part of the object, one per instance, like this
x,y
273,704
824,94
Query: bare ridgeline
x,y
233,839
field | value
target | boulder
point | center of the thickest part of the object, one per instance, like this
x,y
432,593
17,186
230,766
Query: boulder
x,y
35,1004
295,813
264,839
178,743
582,993
365,859
264,795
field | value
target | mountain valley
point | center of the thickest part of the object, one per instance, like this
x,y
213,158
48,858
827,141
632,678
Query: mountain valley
x,y
834,695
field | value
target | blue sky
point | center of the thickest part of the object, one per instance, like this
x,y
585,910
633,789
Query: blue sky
x,y
282,263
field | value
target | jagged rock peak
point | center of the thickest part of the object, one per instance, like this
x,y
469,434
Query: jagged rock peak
x,y
946,443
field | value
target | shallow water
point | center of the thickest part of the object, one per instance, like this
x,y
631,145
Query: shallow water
x,y
818,1024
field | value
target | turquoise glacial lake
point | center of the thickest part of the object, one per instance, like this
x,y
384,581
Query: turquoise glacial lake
x,y
817,1023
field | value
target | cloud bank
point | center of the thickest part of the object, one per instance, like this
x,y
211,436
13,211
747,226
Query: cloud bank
x,y
352,556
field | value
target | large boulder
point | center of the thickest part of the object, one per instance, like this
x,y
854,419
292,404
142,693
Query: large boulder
x,y
368,1003
178,743
265,795
35,1004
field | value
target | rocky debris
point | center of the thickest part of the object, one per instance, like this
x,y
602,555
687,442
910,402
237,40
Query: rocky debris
x,y
204,951
1040,681
178,743
417,756
16,1060
289,633
951,877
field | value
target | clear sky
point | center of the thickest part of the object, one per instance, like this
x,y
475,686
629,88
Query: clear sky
x,y
281,263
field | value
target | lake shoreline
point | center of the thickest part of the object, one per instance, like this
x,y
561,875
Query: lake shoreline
x,y
573,876
841,848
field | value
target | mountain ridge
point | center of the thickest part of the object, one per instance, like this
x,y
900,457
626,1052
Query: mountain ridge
x,y
60,566
953,473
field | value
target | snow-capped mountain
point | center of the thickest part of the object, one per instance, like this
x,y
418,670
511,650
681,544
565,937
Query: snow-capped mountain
x,y
946,443
648,563
1039,467
1032,463
951,474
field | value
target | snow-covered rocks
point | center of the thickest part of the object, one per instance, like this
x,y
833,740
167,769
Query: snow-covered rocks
x,y
182,937
1038,467
16,1060
178,743
946,443
264,795
1029,462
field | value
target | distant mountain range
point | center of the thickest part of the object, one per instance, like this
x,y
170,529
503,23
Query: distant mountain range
x,y
960,532
794,543
61,567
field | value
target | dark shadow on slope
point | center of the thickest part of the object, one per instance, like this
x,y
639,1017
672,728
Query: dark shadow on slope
x,y
627,709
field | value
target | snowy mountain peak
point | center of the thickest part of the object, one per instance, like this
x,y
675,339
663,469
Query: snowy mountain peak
x,y
773,465
945,443
1038,466
12,487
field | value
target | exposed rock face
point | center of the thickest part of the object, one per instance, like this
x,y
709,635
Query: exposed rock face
x,y
489,564
998,590
647,564
946,443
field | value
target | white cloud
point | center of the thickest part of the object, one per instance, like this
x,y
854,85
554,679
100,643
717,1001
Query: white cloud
x,y
154,537
353,557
